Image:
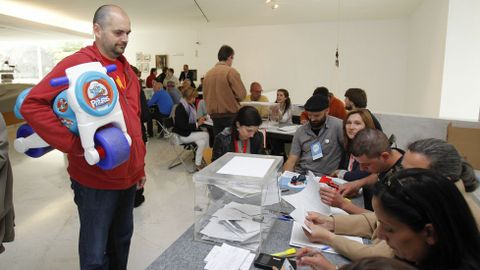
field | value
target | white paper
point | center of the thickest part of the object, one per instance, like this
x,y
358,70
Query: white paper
x,y
228,257
248,262
272,194
299,239
247,166
309,198
240,191
212,254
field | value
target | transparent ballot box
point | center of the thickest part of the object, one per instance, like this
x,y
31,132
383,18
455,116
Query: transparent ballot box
x,y
237,199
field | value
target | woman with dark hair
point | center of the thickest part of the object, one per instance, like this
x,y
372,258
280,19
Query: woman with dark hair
x,y
284,113
242,137
186,124
424,218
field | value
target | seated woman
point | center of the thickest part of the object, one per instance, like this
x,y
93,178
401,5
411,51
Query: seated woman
x,y
434,154
355,121
242,137
425,221
186,124
284,112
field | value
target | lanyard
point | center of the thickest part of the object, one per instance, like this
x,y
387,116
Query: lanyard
x,y
351,160
244,145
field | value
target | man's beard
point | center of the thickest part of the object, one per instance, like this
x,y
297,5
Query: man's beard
x,y
318,124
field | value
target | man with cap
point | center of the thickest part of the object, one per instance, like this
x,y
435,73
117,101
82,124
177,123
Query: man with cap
x,y
317,146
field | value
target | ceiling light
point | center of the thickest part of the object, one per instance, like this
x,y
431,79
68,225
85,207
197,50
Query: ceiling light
x,y
267,1
275,6
44,16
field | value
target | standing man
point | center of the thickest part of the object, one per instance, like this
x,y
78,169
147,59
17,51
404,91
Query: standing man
x,y
7,213
223,90
151,77
187,74
104,198
256,95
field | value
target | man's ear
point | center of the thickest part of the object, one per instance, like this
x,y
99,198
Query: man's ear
x,y
97,29
385,156
430,234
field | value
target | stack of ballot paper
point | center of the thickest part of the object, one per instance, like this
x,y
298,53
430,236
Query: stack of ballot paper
x,y
236,223
305,201
227,257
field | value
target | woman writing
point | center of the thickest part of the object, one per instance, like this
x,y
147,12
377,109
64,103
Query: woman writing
x,y
242,137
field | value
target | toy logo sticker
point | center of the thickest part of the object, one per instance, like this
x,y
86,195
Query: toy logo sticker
x,y
98,94
62,105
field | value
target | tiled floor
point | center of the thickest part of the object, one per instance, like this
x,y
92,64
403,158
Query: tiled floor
x,y
47,221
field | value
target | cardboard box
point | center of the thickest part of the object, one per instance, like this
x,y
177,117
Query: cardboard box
x,y
467,142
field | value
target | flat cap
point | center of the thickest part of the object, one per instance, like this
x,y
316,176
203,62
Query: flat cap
x,y
316,103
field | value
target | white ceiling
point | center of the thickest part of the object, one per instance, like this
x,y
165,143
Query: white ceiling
x,y
148,15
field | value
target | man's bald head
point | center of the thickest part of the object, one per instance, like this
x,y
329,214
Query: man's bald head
x,y
103,13
111,27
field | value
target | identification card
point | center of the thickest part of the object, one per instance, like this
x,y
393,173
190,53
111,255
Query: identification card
x,y
316,149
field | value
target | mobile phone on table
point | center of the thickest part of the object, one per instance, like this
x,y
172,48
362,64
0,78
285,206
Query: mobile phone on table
x,y
267,261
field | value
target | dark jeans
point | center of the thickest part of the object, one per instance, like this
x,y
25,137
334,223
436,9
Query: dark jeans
x,y
158,116
220,123
277,147
106,226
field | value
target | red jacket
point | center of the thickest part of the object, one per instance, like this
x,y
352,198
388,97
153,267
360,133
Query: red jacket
x,y
37,111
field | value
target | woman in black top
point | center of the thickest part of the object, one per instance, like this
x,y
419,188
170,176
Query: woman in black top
x,y
186,124
242,137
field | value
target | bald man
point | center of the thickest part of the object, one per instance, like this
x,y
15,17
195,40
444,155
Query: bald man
x,y
104,198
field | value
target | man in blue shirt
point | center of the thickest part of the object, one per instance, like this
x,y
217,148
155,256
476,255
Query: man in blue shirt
x,y
163,101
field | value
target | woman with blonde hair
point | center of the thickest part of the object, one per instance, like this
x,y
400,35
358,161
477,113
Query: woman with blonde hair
x,y
186,124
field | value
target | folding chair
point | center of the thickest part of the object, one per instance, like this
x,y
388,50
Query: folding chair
x,y
182,152
165,126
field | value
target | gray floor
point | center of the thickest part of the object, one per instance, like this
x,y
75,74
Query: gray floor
x,y
47,221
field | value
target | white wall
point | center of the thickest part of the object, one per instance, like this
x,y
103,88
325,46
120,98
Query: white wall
x,y
179,45
461,80
427,32
298,57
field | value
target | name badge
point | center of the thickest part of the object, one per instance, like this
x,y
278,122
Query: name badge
x,y
316,149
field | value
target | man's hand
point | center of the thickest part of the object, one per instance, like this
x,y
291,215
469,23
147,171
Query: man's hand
x,y
332,197
141,182
351,188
